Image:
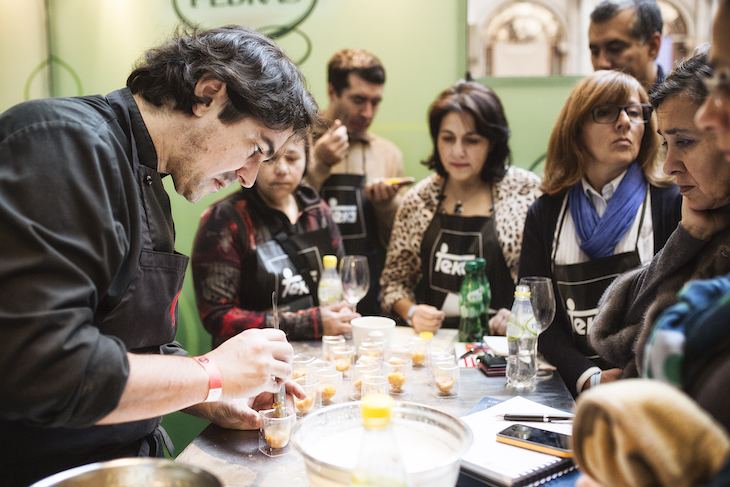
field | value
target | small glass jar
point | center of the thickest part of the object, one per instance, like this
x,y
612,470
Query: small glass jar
x,y
275,433
359,372
369,349
398,372
311,402
328,342
374,384
330,386
419,347
343,357
317,365
445,379
299,365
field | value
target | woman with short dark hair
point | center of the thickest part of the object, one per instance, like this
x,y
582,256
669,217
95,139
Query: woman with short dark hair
x,y
474,206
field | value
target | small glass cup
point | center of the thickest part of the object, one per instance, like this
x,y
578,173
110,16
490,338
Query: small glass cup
x,y
369,349
378,338
374,384
275,433
316,366
330,386
445,379
328,342
400,351
419,347
359,372
299,365
343,356
398,372
303,406
434,357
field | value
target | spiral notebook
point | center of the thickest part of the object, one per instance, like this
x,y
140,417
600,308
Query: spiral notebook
x,y
488,462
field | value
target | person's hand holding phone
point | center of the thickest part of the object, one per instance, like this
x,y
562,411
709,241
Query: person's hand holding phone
x,y
385,189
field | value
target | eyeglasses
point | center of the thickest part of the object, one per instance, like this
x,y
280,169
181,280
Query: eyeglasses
x,y
640,113
718,84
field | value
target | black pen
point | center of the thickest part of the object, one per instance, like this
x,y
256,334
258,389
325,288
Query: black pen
x,y
536,418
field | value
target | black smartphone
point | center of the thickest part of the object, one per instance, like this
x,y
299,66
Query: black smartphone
x,y
537,439
492,361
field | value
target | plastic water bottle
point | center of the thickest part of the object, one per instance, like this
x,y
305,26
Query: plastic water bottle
x,y
521,342
471,304
330,285
486,293
380,462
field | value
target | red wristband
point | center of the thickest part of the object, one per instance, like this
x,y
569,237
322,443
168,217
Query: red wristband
x,y
215,382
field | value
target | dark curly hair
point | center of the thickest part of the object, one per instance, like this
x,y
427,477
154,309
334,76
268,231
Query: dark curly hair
x,y
261,81
686,79
489,121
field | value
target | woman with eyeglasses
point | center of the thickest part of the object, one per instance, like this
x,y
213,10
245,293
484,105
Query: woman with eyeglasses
x,y
606,209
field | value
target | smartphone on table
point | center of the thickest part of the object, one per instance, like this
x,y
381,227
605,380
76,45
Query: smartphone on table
x,y
537,439
492,365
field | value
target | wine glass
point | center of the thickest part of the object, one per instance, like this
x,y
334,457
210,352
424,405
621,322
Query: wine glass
x,y
355,276
542,299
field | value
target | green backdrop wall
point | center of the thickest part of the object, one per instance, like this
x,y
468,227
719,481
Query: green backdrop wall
x,y
93,45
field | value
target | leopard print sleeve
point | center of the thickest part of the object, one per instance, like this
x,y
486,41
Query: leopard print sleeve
x,y
513,196
403,263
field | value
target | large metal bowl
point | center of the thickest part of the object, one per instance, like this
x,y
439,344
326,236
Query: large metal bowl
x,y
132,472
336,427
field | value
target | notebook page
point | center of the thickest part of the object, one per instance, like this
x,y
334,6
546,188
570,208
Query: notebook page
x,y
501,462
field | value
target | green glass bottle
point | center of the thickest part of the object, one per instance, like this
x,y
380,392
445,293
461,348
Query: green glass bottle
x,y
471,303
486,292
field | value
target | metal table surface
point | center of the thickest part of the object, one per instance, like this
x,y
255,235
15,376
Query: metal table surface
x,y
233,456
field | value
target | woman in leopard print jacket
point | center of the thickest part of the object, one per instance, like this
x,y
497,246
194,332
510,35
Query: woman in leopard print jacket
x,y
474,206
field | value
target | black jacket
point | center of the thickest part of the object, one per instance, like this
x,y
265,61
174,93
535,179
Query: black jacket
x,y
556,343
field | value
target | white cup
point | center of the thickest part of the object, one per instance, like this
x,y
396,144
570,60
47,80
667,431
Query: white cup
x,y
362,326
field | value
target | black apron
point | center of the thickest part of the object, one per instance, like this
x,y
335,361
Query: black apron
x,y
140,308
294,277
580,287
356,219
448,243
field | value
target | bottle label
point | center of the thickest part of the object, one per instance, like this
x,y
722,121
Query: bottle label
x,y
475,296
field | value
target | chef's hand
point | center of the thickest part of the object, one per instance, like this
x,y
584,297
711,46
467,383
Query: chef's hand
x,y
498,322
242,413
249,361
331,147
704,224
427,318
336,318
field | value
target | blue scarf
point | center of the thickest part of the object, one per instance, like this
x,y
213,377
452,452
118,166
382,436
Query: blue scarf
x,y
599,236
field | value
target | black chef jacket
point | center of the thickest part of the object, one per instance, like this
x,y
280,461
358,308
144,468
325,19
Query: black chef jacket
x,y
75,216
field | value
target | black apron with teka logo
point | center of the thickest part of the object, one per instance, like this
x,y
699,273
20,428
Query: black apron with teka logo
x,y
275,269
448,243
581,286
356,219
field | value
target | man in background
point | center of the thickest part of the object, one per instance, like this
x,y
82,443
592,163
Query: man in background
x,y
89,276
353,169
626,35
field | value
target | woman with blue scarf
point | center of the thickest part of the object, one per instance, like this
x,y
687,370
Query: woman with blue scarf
x,y
606,209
